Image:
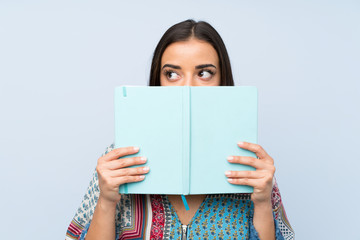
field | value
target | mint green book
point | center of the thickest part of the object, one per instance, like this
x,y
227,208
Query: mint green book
x,y
186,133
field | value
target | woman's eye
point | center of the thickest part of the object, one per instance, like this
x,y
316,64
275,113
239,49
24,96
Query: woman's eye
x,y
172,75
206,74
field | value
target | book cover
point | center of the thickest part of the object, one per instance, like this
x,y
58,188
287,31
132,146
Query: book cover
x,y
186,133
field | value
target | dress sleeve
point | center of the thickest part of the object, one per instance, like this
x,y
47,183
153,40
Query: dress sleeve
x,y
82,219
283,229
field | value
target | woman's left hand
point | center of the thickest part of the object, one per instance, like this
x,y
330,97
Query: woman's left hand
x,y
261,179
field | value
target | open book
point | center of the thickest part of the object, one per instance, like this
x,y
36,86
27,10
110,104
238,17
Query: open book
x,y
186,133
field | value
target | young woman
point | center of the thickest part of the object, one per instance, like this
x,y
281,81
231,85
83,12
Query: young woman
x,y
189,53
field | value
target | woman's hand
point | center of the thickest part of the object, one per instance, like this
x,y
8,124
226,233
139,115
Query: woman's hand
x,y
261,179
112,172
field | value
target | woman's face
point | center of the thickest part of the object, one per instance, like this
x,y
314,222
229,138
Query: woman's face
x,y
190,63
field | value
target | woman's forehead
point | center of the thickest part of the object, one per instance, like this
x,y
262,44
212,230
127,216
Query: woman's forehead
x,y
191,52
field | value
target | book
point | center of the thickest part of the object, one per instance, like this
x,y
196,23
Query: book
x,y
186,133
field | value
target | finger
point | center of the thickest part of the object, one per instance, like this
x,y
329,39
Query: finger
x,y
244,174
125,162
244,181
119,152
128,179
257,149
129,171
250,161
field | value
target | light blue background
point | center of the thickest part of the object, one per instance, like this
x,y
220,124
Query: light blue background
x,y
60,61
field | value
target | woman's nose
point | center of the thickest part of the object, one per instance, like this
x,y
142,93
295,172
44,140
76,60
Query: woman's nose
x,y
188,81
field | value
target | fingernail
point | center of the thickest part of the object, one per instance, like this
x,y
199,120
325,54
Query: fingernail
x,y
231,180
240,143
230,158
141,177
227,173
136,148
145,169
143,159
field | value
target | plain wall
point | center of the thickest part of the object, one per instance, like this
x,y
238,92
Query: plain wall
x,y
60,61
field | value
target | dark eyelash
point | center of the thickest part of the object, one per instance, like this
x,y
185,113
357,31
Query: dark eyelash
x,y
207,70
169,71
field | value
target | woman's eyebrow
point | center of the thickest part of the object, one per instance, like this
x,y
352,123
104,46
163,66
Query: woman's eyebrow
x,y
204,66
172,66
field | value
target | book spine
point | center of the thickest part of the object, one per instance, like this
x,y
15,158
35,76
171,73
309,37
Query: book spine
x,y
186,139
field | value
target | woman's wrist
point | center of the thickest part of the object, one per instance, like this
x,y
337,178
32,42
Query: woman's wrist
x,y
105,205
263,210
263,205
263,220
103,222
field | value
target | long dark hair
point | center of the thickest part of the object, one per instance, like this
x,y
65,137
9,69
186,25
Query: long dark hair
x,y
184,31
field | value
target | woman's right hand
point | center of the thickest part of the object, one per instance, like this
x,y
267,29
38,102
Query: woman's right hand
x,y
112,172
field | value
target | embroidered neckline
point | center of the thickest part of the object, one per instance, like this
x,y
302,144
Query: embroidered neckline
x,y
200,208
